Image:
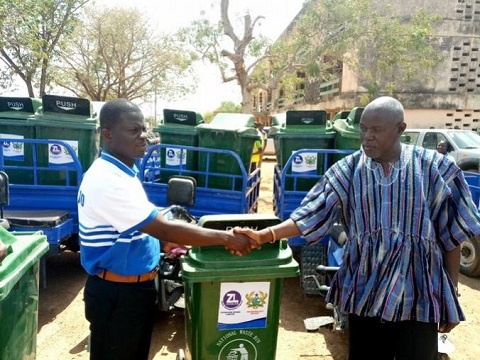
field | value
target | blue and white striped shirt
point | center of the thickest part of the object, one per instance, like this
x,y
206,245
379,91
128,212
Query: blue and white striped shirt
x,y
398,227
112,207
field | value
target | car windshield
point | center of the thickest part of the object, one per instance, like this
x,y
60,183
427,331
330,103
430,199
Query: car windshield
x,y
465,139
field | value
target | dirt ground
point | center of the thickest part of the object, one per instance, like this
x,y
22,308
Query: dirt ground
x,y
63,330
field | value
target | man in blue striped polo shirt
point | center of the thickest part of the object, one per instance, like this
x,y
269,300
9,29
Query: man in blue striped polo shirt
x,y
119,232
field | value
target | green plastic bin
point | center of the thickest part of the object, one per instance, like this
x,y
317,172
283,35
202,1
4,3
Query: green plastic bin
x,y
228,131
232,303
67,119
178,128
347,131
303,130
19,291
279,120
14,115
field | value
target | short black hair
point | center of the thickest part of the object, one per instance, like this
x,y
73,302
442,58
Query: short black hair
x,y
113,110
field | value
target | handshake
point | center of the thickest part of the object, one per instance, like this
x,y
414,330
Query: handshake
x,y
241,241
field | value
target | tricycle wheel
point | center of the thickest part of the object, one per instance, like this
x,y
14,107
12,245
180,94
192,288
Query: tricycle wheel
x,y
181,355
470,259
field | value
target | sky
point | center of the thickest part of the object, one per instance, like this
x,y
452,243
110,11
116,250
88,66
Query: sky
x,y
169,15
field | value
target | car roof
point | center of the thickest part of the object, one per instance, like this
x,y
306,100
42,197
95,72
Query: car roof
x,y
410,129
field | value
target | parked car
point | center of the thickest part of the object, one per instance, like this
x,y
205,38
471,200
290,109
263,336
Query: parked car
x,y
463,145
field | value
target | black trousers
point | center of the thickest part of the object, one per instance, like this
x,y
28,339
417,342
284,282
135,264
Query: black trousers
x,y
121,318
373,339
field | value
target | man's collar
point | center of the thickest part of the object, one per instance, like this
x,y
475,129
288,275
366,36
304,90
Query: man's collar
x,y
132,171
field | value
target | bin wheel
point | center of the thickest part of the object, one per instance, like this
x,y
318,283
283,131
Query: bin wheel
x,y
181,355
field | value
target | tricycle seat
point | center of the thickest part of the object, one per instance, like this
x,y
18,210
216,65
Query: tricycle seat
x,y
36,218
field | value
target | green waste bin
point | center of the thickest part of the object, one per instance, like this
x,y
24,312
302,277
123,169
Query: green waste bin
x,y
307,129
232,303
14,115
347,130
68,119
277,124
228,131
279,120
179,127
19,291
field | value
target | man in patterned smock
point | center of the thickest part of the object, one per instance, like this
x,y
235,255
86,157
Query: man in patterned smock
x,y
119,239
406,211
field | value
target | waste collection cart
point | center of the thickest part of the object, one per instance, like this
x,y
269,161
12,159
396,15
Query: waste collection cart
x,y
229,131
232,303
303,130
179,127
19,290
14,124
347,130
68,119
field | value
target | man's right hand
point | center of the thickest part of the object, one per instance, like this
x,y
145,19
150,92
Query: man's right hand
x,y
239,244
254,236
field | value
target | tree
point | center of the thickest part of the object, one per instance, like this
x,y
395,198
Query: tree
x,y
385,49
33,32
226,107
325,34
116,53
234,63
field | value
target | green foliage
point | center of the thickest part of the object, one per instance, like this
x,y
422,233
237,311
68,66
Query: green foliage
x,y
33,37
229,107
225,107
204,37
116,53
384,49
208,116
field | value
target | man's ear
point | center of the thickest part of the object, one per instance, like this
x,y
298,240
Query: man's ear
x,y
106,135
401,128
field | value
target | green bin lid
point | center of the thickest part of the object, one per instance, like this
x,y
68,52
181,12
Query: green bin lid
x,y
348,132
67,106
18,107
64,121
353,117
229,221
306,131
211,129
349,127
306,118
217,264
279,120
181,117
24,250
341,115
176,129
233,120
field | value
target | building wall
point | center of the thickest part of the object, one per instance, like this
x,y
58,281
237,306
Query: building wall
x,y
440,118
449,95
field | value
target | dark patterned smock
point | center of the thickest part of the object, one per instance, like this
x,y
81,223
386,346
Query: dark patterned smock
x,y
398,226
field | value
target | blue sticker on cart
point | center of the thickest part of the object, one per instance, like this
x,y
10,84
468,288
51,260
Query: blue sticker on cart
x,y
305,163
12,150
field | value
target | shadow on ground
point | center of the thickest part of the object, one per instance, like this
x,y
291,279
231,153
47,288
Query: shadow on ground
x,y
65,279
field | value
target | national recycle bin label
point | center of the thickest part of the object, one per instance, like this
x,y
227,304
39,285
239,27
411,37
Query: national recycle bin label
x,y
175,157
243,305
239,349
304,163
